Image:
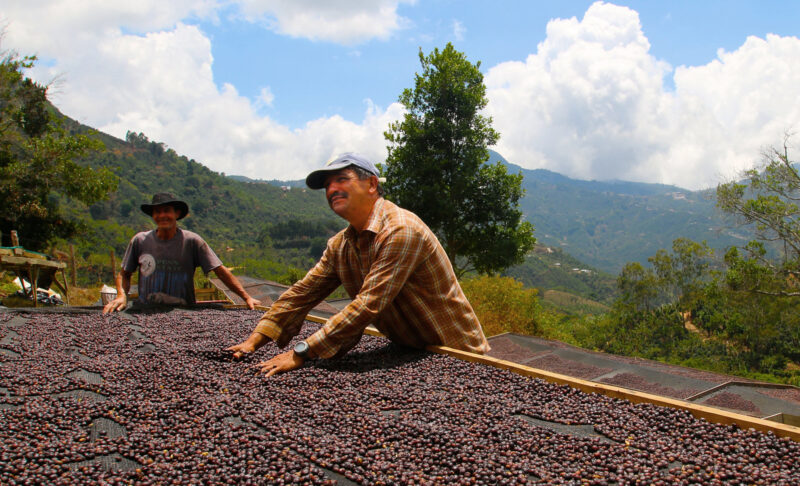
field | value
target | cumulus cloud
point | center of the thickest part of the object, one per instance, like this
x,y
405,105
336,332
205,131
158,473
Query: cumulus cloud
x,y
459,30
162,84
739,103
344,22
591,103
125,66
57,28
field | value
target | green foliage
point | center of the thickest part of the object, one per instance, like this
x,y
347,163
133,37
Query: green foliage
x,y
651,334
572,304
224,211
503,304
437,168
763,329
689,309
38,161
311,235
766,201
673,278
553,269
638,288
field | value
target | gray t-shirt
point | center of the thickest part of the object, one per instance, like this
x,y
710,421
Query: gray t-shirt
x,y
167,266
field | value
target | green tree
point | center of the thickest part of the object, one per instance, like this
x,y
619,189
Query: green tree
x,y
678,277
639,289
766,200
683,273
37,161
437,167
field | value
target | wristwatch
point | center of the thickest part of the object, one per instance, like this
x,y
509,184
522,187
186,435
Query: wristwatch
x,y
301,349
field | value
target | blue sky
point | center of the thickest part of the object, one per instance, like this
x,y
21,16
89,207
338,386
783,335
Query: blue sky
x,y
315,79
679,92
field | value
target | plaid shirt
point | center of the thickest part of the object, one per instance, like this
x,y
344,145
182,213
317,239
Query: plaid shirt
x,y
400,280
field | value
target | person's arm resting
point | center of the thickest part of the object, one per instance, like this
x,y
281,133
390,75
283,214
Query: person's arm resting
x,y
285,317
123,286
234,285
400,253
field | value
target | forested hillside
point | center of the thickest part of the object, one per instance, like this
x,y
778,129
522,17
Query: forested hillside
x,y
225,211
607,224
249,221
549,268
266,230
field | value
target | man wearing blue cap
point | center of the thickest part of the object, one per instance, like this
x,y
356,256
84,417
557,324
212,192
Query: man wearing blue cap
x,y
389,262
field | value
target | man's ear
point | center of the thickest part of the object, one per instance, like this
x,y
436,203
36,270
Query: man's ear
x,y
373,184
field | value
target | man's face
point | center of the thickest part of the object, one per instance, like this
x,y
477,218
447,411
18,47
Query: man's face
x,y
165,216
346,193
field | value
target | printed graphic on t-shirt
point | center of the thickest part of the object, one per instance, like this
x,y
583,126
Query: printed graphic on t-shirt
x,y
147,264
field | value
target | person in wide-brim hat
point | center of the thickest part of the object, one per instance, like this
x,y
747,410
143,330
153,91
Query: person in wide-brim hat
x,y
166,258
163,198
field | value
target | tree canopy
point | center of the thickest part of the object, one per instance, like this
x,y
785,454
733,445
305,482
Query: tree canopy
x,y
38,161
739,315
437,167
768,200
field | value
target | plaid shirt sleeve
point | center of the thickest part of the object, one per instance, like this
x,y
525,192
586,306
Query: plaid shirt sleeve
x,y
397,254
401,281
292,307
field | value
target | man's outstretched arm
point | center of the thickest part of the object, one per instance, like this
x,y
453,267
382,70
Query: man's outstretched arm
x,y
123,286
234,285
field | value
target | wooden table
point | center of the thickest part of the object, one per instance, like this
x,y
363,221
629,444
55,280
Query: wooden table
x,y
33,265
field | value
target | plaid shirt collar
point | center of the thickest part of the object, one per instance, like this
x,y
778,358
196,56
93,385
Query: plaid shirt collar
x,y
374,222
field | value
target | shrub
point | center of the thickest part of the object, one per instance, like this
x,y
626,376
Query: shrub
x,y
503,305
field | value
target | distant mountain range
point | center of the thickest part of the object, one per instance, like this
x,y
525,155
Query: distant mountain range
x,y
609,223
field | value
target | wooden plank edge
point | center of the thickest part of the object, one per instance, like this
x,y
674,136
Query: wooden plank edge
x,y
710,414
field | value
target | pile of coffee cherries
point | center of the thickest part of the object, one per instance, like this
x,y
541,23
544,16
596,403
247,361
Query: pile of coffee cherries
x,y
153,398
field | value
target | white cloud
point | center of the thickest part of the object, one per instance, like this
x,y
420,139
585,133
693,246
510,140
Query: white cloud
x,y
344,22
126,70
265,97
749,98
58,27
458,30
162,84
590,103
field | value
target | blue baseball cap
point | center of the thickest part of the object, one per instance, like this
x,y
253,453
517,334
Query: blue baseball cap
x,y
316,179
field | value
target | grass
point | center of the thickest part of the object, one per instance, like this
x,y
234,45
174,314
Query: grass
x,y
572,304
79,296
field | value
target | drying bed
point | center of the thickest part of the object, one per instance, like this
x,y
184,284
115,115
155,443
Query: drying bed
x,y
151,398
743,396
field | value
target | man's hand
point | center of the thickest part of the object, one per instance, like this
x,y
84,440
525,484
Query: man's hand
x,y
281,363
117,304
255,341
251,302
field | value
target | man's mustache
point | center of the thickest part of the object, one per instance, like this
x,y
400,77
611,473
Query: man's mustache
x,y
342,194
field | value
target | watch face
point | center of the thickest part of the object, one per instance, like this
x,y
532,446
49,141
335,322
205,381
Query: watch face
x,y
301,348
